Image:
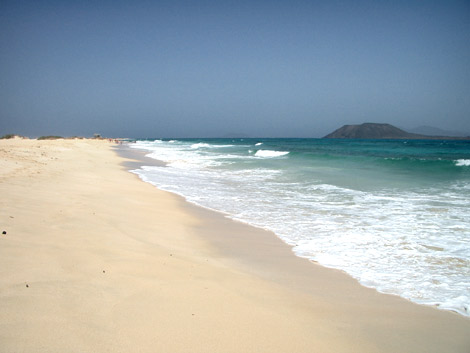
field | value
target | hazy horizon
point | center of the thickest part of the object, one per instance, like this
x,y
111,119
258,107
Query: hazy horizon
x,y
421,130
209,69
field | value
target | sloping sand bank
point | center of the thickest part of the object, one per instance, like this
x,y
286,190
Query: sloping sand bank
x,y
94,260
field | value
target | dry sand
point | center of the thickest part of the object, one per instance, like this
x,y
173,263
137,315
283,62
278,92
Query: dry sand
x,y
94,260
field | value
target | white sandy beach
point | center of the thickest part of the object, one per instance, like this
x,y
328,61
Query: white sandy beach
x,y
95,260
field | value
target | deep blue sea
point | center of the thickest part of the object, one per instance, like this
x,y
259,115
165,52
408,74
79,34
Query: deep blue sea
x,y
394,214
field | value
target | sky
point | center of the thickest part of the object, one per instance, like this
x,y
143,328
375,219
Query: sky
x,y
219,68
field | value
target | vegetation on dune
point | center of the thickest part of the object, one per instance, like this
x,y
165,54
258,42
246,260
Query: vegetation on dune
x,y
50,137
9,136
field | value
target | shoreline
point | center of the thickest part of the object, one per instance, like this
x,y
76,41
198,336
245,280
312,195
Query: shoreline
x,y
260,256
246,258
113,263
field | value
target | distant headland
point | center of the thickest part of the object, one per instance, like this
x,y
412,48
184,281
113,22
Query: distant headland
x,y
383,131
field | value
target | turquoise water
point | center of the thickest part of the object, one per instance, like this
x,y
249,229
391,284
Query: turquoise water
x,y
394,214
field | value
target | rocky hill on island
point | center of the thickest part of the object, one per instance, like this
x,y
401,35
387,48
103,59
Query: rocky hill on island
x,y
382,131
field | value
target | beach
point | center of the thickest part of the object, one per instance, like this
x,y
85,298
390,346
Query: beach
x,y
96,260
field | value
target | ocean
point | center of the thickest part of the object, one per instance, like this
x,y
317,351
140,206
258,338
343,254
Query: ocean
x,y
394,214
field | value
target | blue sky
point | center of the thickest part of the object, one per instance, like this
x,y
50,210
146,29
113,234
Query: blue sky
x,y
212,68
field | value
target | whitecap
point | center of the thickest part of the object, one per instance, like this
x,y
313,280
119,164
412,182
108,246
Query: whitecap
x,y
462,162
200,145
206,145
270,154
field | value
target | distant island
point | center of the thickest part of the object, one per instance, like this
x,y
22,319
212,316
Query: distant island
x,y
382,131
